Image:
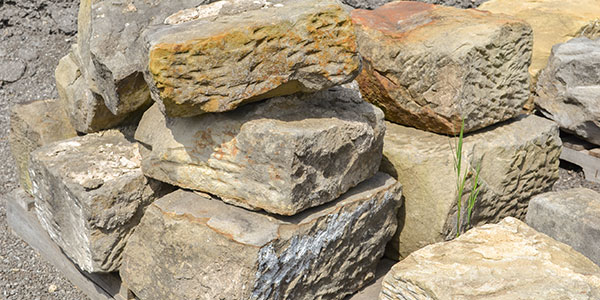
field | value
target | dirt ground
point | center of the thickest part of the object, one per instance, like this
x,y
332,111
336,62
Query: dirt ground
x,y
34,35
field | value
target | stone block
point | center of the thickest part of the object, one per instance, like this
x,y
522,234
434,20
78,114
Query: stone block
x,y
283,155
86,110
519,159
198,247
553,22
430,66
568,89
570,216
32,125
238,52
90,193
504,261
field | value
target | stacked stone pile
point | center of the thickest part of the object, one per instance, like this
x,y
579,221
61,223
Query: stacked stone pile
x,y
253,175
223,150
441,66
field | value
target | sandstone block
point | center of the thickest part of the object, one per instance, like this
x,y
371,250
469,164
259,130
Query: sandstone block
x,y
553,22
431,66
519,159
201,248
568,89
282,155
240,53
504,261
571,217
33,125
89,195
86,110
112,60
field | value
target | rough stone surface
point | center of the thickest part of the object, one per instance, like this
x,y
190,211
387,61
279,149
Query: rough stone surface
x,y
89,194
553,22
372,4
431,66
571,217
33,125
109,36
86,110
519,159
568,89
240,53
504,261
282,155
201,248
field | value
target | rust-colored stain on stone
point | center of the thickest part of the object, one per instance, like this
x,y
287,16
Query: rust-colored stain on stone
x,y
393,18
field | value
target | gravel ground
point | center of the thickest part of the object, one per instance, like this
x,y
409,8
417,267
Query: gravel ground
x,y
34,35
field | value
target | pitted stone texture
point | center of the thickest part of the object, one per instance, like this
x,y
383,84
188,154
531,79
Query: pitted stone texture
x,y
571,217
431,66
504,261
553,22
89,195
372,4
109,37
33,125
86,110
568,89
282,155
201,248
518,159
216,64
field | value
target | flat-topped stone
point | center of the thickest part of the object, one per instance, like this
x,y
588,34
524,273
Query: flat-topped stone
x,y
430,66
236,52
570,216
201,248
111,49
32,125
568,89
504,261
89,195
553,22
519,159
283,155
86,110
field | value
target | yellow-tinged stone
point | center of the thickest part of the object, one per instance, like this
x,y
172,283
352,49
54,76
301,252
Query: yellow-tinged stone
x,y
553,22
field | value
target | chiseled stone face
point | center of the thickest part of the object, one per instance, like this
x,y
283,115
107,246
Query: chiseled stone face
x,y
570,216
89,194
519,159
504,261
283,155
112,60
191,246
553,22
568,89
238,52
429,66
33,125
86,110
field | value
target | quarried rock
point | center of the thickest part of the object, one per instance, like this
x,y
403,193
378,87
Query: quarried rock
x,y
198,247
86,110
518,160
240,53
372,4
553,22
431,66
33,125
571,217
504,261
568,89
89,195
112,60
282,155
